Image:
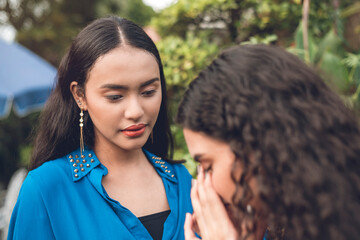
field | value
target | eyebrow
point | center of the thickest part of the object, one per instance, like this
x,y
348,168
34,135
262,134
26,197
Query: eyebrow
x,y
149,82
117,87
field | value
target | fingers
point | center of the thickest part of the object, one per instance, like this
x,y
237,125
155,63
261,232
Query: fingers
x,y
200,183
206,194
209,190
195,225
188,226
209,211
195,198
198,208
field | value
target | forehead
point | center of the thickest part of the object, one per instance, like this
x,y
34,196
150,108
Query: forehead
x,y
124,65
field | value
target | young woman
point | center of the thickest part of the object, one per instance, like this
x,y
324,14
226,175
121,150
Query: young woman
x,y
279,152
99,166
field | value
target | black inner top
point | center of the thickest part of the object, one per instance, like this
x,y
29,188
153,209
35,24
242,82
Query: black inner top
x,y
154,223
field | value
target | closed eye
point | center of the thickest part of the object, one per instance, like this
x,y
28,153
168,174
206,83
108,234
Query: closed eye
x,y
206,164
209,168
114,97
148,93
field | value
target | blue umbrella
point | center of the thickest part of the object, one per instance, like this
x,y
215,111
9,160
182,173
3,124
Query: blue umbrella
x,y
26,80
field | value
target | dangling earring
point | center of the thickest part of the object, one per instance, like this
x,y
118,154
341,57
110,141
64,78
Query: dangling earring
x,y
249,209
152,137
81,132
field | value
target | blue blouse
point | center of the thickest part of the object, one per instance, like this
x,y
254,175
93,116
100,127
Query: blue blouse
x,y
64,199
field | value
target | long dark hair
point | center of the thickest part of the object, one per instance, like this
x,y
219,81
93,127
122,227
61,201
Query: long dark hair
x,y
58,132
291,133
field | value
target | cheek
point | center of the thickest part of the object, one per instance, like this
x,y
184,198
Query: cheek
x,y
98,110
102,114
223,184
153,106
94,102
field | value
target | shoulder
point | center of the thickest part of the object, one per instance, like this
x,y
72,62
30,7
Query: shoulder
x,y
169,169
41,183
49,174
49,168
32,206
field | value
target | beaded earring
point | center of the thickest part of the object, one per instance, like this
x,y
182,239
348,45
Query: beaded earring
x,y
81,124
81,132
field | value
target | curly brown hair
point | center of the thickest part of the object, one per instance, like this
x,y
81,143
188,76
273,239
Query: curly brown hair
x,y
292,133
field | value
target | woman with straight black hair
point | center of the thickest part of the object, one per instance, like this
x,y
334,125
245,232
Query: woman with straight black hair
x,y
279,152
100,167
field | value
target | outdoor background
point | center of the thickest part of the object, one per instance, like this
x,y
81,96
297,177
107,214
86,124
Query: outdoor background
x,y
189,34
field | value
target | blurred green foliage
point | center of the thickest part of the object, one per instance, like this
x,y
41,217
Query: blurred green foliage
x,y
14,139
193,33
243,19
227,23
181,65
47,27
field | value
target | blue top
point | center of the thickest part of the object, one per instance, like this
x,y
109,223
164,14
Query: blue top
x,y
64,199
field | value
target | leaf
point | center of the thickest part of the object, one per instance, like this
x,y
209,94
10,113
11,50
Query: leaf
x,y
352,60
330,43
332,65
351,10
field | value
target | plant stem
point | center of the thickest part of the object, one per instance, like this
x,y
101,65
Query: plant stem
x,y
305,18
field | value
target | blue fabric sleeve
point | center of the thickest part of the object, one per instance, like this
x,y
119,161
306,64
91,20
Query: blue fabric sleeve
x,y
29,219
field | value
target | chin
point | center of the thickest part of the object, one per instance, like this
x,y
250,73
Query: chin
x,y
133,146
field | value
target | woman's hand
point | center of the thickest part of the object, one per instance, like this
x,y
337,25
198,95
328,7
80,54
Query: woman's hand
x,y
210,216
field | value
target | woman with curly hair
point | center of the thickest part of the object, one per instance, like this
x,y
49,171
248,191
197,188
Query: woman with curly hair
x,y
278,151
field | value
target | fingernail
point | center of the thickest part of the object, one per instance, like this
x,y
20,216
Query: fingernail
x,y
197,169
193,182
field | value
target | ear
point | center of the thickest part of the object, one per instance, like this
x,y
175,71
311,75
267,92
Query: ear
x,y
79,95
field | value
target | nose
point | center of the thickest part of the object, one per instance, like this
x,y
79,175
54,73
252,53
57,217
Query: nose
x,y
134,109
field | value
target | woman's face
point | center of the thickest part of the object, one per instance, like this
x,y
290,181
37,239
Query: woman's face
x,y
123,97
217,157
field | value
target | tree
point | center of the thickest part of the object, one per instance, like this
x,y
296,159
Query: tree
x,y
47,27
239,20
223,23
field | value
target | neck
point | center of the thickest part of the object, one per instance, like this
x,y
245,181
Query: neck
x,y
115,158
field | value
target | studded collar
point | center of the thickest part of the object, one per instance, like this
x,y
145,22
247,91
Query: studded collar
x,y
81,165
163,168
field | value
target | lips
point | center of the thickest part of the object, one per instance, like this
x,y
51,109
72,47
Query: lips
x,y
134,130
